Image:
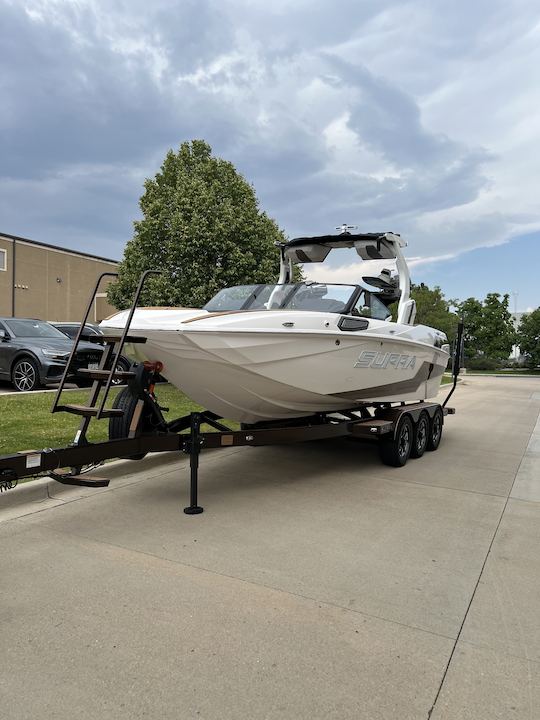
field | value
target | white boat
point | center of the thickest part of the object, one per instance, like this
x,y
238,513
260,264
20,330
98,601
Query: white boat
x,y
268,352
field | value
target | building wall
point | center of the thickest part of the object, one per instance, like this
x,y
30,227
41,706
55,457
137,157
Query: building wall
x,y
51,284
5,278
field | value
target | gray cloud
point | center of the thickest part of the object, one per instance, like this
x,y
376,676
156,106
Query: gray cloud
x,y
316,104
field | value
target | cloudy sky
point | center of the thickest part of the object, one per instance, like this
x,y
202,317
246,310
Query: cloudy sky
x,y
420,117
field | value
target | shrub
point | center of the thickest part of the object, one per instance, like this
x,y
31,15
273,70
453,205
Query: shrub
x,y
482,363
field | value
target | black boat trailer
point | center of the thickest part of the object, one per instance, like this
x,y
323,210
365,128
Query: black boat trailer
x,y
77,457
137,425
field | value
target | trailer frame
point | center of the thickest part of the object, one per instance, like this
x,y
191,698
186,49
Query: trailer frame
x,y
146,430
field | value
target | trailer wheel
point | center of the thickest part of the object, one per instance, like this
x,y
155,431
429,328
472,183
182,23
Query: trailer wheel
x,y
421,436
119,425
396,449
435,430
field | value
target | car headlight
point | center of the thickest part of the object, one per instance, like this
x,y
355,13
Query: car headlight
x,y
55,354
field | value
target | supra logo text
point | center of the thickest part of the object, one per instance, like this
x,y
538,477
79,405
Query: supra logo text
x,y
381,361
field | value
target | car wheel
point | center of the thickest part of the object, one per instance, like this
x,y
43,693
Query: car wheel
x,y
25,375
123,366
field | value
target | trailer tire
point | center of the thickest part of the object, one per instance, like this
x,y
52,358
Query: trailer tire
x,y
435,430
395,450
119,425
421,435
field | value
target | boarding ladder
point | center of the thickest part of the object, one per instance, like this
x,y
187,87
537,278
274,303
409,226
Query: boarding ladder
x,y
106,372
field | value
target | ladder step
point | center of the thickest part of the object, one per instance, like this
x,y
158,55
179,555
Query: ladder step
x,y
81,480
88,411
104,374
114,339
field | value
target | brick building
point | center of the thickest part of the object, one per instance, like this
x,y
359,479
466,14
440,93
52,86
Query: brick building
x,y
48,282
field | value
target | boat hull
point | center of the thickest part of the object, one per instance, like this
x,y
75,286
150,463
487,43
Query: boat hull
x,y
251,376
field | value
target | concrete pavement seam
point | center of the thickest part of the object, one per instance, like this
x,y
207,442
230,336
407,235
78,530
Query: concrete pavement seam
x,y
444,487
445,673
484,646
249,582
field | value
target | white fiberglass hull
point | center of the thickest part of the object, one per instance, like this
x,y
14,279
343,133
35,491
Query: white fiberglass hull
x,y
272,365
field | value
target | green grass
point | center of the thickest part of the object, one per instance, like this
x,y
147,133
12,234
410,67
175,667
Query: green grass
x,y
26,422
506,371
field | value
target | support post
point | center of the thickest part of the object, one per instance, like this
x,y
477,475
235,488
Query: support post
x,y
194,450
456,362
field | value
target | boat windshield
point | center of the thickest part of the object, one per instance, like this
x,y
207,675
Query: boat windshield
x,y
320,297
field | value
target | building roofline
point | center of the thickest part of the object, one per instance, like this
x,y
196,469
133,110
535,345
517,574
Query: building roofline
x,y
48,246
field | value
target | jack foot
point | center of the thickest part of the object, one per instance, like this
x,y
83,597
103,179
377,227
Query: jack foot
x,y
193,510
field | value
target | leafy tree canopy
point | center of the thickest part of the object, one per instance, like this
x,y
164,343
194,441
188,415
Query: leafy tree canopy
x,y
488,327
528,337
433,309
202,227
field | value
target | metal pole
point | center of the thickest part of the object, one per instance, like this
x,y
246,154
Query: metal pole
x,y
194,450
458,349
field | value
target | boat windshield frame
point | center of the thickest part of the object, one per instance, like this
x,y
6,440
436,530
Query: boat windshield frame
x,y
284,302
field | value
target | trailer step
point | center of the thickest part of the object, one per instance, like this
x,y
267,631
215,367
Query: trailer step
x,y
100,339
81,480
104,374
87,411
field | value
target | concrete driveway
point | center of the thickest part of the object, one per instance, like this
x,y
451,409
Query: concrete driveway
x,y
317,584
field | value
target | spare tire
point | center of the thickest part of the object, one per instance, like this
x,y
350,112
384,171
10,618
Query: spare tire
x,y
119,425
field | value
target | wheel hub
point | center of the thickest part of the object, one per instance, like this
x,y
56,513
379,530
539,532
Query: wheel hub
x,y
404,440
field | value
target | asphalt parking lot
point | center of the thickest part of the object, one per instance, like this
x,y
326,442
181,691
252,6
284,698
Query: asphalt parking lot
x,y
317,583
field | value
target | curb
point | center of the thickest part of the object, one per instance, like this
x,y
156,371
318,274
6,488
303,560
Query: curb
x,y
32,491
46,490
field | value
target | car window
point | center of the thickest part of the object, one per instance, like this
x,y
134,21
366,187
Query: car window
x,y
72,330
33,329
68,330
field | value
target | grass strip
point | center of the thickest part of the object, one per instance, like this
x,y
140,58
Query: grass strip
x,y
26,422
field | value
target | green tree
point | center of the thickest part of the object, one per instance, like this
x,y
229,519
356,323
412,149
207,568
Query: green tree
x,y
488,328
528,337
433,309
202,227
